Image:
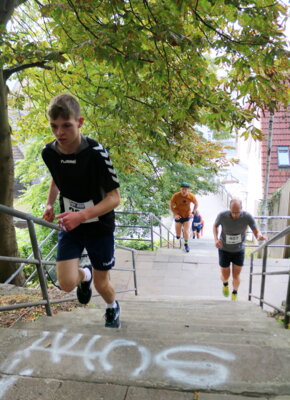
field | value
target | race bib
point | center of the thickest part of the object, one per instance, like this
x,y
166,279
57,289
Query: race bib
x,y
196,223
74,206
233,239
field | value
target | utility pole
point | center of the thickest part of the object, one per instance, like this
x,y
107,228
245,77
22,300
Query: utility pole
x,y
267,174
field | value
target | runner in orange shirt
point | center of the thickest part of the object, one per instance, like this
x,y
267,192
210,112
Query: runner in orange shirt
x,y
180,206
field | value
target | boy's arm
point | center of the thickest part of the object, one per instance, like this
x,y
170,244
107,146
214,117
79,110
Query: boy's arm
x,y
48,214
109,203
70,220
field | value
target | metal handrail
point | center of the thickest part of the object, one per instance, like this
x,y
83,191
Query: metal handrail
x,y
161,225
151,231
20,268
39,262
264,248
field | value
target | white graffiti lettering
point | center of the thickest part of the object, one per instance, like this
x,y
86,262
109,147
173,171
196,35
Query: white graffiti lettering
x,y
210,373
194,365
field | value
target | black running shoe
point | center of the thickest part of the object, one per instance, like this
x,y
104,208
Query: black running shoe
x,y
112,317
84,291
186,248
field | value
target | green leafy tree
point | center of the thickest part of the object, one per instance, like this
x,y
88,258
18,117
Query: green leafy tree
x,y
143,72
19,52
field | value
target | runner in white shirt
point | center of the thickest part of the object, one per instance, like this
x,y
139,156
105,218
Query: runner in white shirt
x,y
231,243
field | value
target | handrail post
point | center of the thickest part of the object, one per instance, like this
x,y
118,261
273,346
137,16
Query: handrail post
x,y
134,273
263,278
160,235
251,277
287,306
39,266
168,244
152,239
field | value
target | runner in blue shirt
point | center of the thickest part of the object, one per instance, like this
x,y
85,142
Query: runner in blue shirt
x,y
197,225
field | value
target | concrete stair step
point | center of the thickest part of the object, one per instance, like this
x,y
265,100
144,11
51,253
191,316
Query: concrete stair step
x,y
159,361
164,345
196,320
50,389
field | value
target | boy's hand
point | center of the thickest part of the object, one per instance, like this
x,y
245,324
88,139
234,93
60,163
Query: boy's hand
x,y
48,214
70,220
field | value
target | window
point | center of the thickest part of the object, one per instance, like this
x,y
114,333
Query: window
x,y
283,156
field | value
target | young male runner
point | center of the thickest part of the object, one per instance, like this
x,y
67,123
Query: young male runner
x,y
231,243
180,206
84,177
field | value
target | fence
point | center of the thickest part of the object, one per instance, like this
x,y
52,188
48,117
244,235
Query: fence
x,y
36,259
264,249
151,228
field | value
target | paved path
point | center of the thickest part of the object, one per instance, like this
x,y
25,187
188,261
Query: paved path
x,y
209,207
173,273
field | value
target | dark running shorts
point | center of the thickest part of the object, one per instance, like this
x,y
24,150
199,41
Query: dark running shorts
x,y
196,228
226,258
100,249
182,220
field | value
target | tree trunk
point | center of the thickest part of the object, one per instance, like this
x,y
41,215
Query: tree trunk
x,y
8,243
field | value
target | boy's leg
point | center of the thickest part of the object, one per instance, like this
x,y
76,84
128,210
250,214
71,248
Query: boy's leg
x,y
69,275
101,253
104,286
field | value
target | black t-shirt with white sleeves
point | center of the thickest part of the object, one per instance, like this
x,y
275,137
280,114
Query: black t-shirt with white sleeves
x,y
83,179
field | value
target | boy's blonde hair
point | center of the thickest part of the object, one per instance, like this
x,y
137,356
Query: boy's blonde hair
x,y
64,106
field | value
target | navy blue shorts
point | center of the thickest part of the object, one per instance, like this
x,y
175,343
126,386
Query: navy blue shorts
x,y
100,249
226,258
182,220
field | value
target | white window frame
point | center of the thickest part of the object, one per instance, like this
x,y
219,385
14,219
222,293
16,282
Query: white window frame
x,y
283,156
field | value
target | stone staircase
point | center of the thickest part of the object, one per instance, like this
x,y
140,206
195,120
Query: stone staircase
x,y
205,348
172,345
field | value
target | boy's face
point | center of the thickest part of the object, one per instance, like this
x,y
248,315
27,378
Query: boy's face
x,y
66,131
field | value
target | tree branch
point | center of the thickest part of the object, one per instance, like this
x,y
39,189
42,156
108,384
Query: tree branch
x,y
9,71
